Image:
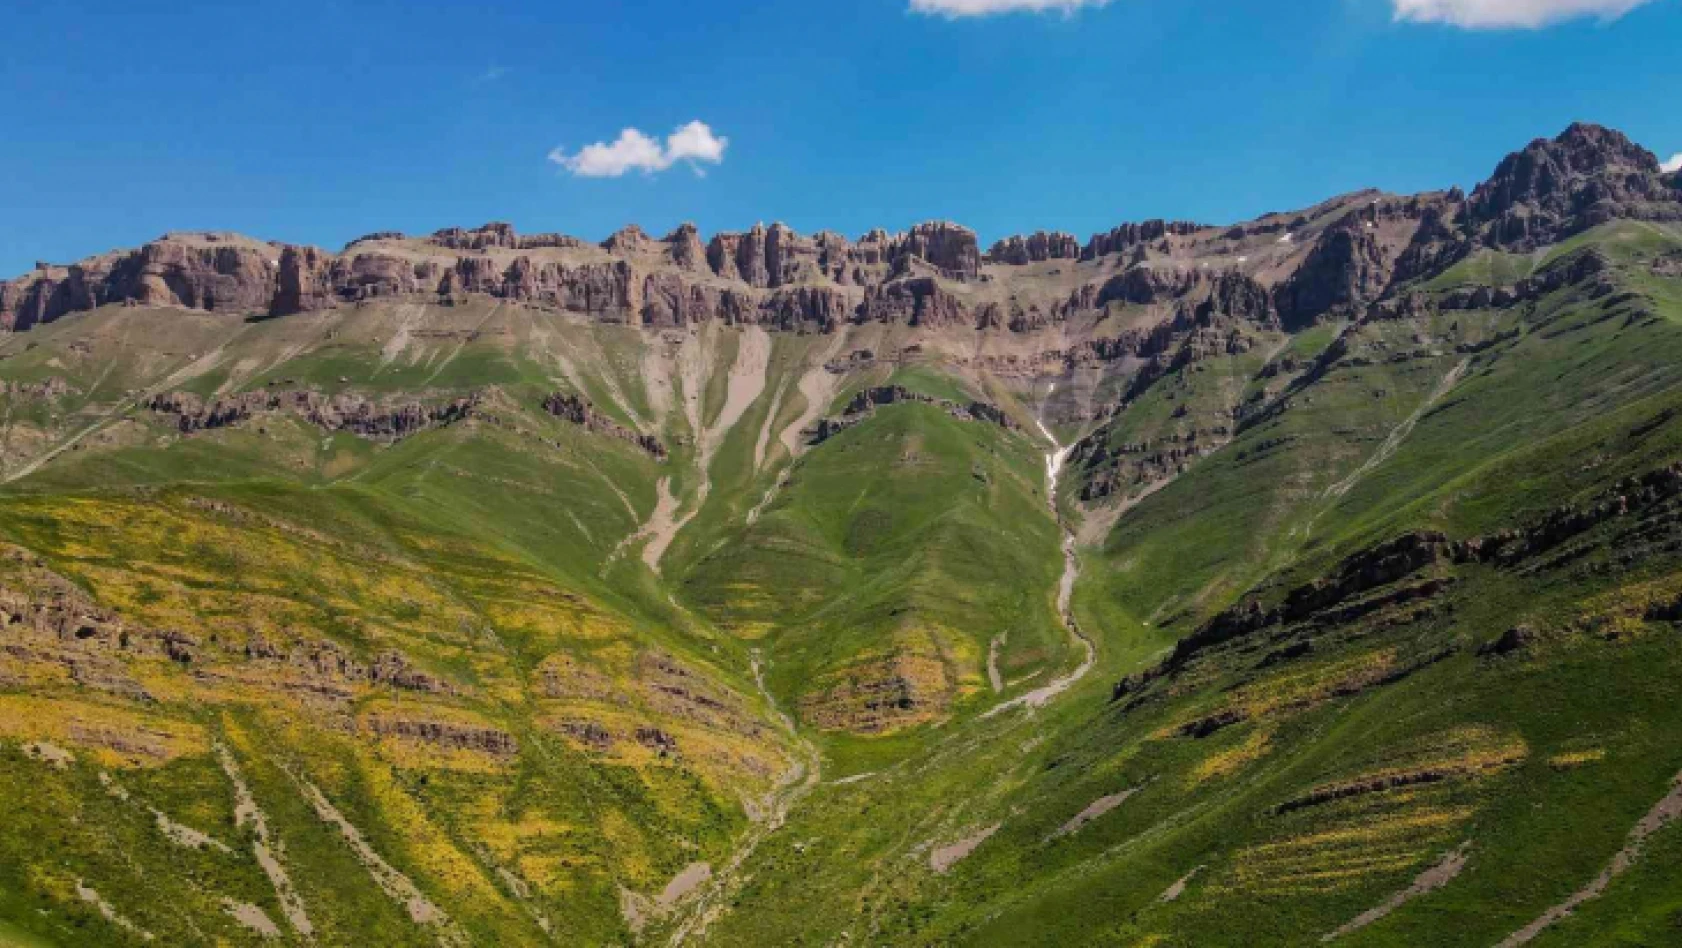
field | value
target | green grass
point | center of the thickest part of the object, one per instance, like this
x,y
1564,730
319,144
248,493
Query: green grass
x,y
871,586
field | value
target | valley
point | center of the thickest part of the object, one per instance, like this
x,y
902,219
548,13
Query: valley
x,y
1316,578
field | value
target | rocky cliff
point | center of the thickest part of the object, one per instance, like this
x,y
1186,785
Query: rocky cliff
x,y
1310,265
1552,189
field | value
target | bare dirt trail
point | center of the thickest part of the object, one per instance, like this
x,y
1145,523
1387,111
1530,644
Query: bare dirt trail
x,y
770,495
657,383
397,886
462,345
588,350
1094,810
267,851
1400,432
943,858
1661,815
764,441
1173,892
817,386
408,316
1037,698
1427,882
660,527
87,894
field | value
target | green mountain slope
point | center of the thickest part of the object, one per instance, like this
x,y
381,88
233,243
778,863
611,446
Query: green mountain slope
x,y
471,617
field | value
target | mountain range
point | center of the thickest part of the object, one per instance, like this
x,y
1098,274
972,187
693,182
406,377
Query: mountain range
x,y
1316,578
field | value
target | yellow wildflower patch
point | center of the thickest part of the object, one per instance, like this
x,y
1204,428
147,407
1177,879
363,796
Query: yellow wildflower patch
x,y
115,736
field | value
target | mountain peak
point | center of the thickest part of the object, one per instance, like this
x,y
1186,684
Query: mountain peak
x,y
1595,146
1553,188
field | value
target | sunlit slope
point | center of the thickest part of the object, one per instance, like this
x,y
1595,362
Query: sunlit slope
x,y
1432,739
421,629
411,623
1444,402
358,563
877,579
494,732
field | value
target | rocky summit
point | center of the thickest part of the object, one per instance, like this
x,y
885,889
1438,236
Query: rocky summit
x,y
1310,579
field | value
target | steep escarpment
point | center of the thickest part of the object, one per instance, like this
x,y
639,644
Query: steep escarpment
x,y
1316,264
209,271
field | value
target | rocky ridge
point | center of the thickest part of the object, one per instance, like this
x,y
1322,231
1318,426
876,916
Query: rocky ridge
x,y
338,412
579,411
865,403
1304,266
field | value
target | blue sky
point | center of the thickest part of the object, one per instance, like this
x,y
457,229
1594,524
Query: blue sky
x,y
316,122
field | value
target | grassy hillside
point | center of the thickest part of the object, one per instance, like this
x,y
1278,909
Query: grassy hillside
x,y
1276,786
407,623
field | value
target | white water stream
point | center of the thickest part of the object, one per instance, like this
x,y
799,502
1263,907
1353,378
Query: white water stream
x,y
1054,461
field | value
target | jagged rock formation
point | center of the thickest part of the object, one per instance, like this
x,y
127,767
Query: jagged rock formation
x,y
1130,236
1552,189
44,390
1034,248
581,412
867,401
444,734
1330,260
341,412
216,272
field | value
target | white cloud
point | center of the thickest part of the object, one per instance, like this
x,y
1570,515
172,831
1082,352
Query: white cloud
x,y
1674,164
695,142
957,8
1508,14
634,151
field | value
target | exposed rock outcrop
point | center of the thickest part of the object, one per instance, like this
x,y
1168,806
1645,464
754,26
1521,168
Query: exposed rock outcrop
x,y
444,734
305,283
1347,267
1131,235
1554,188
921,301
46,619
579,411
949,247
210,271
867,401
1409,554
928,276
381,421
489,236
1034,248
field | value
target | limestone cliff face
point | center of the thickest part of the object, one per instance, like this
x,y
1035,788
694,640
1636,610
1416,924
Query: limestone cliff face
x,y
215,272
1035,248
1293,269
305,283
1128,236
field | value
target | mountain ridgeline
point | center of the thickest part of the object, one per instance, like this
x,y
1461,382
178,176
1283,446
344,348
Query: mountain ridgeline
x,y
1311,579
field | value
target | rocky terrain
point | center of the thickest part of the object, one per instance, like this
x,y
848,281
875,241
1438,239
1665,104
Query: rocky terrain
x,y
1311,578
1285,268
